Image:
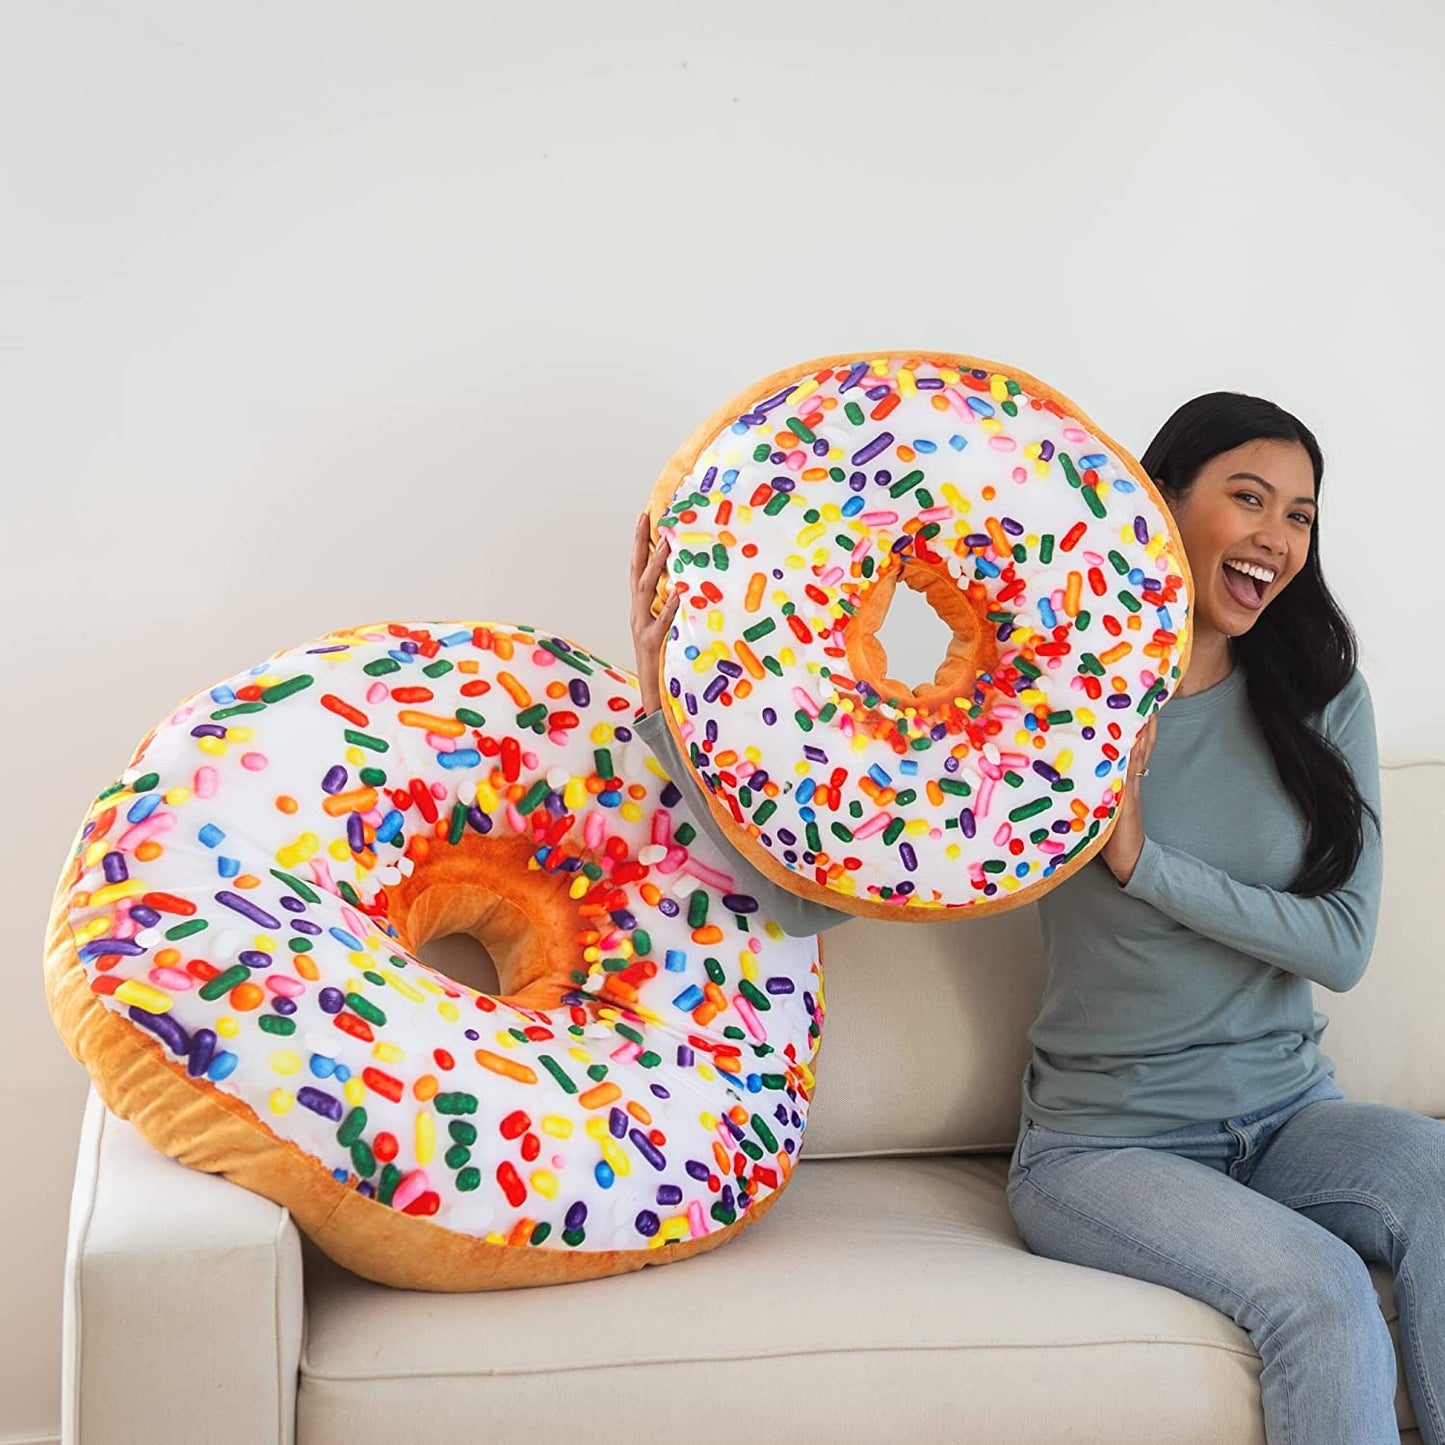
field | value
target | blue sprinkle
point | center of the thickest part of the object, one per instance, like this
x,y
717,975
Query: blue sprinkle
x,y
1094,459
926,447
852,506
222,1066
228,867
676,960
460,758
222,694
342,936
603,1174
455,639
211,835
958,443
143,807
908,767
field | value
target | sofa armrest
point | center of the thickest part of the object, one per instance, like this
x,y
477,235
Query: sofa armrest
x,y
183,1301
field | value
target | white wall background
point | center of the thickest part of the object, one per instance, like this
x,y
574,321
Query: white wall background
x,y
319,313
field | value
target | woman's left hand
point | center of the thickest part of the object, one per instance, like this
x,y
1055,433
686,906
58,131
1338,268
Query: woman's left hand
x,y
1126,842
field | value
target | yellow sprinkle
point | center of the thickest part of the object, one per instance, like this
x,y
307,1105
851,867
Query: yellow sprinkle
x,y
112,891
556,1126
545,1183
405,989
143,996
213,747
448,1010
227,1027
426,1139
354,1092
388,1053
281,1101
284,1061
601,734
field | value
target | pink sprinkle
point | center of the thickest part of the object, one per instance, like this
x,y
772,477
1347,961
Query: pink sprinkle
x,y
286,986
662,827
713,877
878,519
254,762
354,923
439,791
1020,475
204,783
557,736
529,760
861,549
377,692
1049,846
440,743
875,824
985,797
751,1021
412,1186
626,1053
1074,434
1094,559
832,575
542,658
592,827
1002,835
795,461
175,979
518,822
695,1220
134,836
673,861
1003,444
805,702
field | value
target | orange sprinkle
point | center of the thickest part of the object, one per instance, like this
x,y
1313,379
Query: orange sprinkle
x,y
246,996
149,851
508,1068
599,1097
425,1088
285,803
515,690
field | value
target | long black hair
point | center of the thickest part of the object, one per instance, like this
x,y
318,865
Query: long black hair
x,y
1300,652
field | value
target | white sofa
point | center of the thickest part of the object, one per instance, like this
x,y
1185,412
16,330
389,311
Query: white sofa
x,y
886,1297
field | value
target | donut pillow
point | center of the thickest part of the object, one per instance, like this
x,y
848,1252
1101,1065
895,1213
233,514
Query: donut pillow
x,y
232,954
794,514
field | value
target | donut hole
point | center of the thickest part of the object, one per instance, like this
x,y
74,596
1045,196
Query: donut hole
x,y
927,616
464,959
915,639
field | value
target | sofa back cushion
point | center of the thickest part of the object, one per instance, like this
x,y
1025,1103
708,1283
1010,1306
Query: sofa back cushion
x,y
925,1039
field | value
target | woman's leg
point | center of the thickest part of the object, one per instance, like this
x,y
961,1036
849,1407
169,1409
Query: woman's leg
x,y
1375,1176
1304,1296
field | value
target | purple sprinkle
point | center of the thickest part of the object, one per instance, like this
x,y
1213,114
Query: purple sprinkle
x,y
581,697
254,958
910,859
332,1000
783,484
146,917
668,1194
696,1169
685,1057
208,730
929,383
1141,530
1045,771
648,1223
877,393
622,734
319,1102
616,1123
164,1027
305,925
730,669
778,400
816,754
203,1048
247,909
659,1091
859,371
335,779
576,1215
779,985
739,903
769,716
1014,529
716,687
965,821
1046,451
668,907
99,947
1120,699
648,1149
866,453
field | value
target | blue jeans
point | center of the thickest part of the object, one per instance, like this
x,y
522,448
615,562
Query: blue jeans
x,y
1324,1189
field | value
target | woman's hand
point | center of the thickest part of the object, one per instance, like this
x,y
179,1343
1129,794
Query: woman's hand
x,y
1126,842
648,631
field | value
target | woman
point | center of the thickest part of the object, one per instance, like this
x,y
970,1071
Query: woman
x,y
1180,1123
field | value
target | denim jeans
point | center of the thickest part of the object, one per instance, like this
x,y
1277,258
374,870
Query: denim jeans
x,y
1326,1185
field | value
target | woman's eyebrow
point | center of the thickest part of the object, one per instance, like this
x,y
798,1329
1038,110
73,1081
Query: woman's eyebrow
x,y
1250,477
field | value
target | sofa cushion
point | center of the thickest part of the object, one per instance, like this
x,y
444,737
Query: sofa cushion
x,y
882,1299
925,1042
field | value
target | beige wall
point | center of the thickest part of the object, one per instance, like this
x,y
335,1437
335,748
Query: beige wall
x,y
315,314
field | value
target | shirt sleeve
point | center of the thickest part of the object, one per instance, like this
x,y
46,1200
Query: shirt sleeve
x,y
796,916
1326,939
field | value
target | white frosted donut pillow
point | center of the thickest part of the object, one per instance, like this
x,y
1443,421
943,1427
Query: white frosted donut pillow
x,y
233,956
796,510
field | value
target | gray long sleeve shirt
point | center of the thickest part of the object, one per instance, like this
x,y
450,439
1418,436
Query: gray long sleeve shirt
x,y
1185,996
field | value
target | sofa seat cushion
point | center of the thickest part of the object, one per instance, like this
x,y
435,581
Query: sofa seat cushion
x,y
883,1299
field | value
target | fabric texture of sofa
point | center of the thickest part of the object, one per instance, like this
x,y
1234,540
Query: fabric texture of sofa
x,y
886,1297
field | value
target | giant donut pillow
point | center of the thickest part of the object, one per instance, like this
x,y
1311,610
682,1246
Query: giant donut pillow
x,y
795,511
233,956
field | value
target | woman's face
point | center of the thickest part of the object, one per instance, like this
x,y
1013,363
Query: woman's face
x,y
1253,506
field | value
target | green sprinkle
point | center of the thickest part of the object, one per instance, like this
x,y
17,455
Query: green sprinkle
x,y
225,982
1028,810
364,1008
285,689
276,1024
759,629
532,798
697,909
381,667
353,1126
365,740
754,995
439,668
145,783
184,930
853,412
555,1069
472,719
1046,547
905,484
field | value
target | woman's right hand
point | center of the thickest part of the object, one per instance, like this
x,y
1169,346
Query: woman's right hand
x,y
648,632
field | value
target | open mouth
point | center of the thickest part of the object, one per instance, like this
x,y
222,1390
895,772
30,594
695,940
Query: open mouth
x,y
1247,590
